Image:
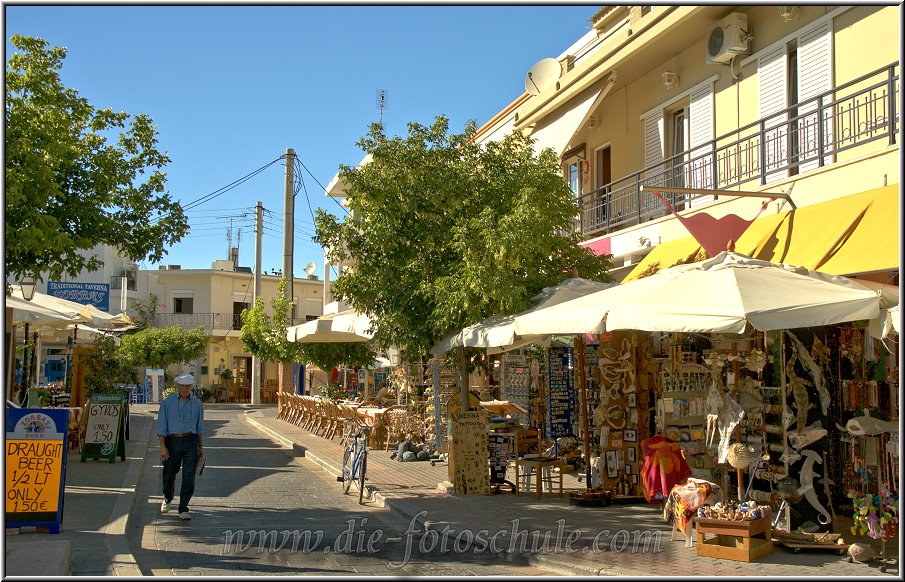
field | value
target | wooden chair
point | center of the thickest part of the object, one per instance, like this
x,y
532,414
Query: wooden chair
x,y
395,423
530,463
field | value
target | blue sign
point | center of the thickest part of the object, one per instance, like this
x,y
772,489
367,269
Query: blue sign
x,y
97,294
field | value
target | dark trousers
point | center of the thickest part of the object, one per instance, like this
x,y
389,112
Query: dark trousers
x,y
183,453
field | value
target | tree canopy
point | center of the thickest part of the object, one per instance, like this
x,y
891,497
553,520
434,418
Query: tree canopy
x,y
445,232
73,179
264,335
157,347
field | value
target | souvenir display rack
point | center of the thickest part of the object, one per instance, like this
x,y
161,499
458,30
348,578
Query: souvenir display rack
x,y
620,410
519,385
435,416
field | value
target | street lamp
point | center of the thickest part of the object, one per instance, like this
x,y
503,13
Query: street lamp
x,y
28,287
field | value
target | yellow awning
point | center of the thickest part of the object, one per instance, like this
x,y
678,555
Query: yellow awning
x,y
804,236
846,236
873,243
668,254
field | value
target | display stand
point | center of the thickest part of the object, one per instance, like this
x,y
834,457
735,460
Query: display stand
x,y
744,541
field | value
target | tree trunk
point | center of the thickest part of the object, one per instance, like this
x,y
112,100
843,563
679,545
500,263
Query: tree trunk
x,y
462,376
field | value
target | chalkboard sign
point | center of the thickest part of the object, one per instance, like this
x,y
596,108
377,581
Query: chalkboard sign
x,y
560,393
36,442
104,433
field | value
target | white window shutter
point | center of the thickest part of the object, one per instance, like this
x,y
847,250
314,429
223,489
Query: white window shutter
x,y
700,169
772,96
653,147
815,76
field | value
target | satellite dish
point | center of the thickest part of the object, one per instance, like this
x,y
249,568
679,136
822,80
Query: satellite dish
x,y
310,268
543,74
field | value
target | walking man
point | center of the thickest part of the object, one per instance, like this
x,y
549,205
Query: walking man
x,y
179,427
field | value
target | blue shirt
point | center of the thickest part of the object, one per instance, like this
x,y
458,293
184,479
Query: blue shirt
x,y
178,416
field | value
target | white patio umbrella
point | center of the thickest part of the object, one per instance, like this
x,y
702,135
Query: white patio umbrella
x,y
36,315
79,312
497,333
725,294
345,326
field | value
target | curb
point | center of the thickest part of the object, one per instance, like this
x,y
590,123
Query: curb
x,y
404,509
116,540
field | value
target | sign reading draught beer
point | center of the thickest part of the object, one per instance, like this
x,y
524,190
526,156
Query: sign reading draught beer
x,y
35,466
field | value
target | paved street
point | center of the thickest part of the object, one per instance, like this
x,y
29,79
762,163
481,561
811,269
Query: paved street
x,y
252,485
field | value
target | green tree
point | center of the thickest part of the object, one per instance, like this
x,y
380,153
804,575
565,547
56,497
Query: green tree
x,y
445,232
69,185
161,347
103,369
327,356
265,335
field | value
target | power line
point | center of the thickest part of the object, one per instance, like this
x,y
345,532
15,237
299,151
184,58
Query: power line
x,y
346,210
222,190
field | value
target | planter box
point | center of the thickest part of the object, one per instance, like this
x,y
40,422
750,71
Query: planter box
x,y
743,541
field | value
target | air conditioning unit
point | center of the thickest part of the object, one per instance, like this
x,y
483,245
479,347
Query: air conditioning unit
x,y
728,38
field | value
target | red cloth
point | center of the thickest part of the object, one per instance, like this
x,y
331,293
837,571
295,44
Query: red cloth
x,y
663,467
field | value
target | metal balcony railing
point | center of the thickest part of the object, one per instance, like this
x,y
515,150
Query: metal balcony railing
x,y
193,320
807,135
206,320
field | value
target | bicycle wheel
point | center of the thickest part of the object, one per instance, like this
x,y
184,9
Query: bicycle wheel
x,y
362,468
347,467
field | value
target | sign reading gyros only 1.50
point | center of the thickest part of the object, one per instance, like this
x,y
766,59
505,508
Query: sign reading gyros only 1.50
x,y
35,466
104,430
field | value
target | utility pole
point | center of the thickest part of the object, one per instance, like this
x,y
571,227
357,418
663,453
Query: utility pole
x,y
255,362
286,375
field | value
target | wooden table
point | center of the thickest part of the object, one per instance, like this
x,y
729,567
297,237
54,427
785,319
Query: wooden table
x,y
744,541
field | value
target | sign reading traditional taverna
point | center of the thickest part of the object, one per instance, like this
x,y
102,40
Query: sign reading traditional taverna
x,y
97,294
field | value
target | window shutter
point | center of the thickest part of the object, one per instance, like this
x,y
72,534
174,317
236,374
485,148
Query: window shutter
x,y
701,166
815,76
653,149
772,96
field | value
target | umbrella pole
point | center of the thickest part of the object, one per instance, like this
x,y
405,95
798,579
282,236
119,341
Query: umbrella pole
x,y
583,392
10,362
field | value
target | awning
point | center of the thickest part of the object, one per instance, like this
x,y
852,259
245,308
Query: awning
x,y
557,133
847,236
873,243
675,252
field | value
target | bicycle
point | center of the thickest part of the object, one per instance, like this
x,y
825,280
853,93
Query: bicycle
x,y
355,458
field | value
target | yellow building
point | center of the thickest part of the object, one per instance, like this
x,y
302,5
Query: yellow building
x,y
719,108
214,298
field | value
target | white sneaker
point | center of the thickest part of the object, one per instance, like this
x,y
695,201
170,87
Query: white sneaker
x,y
165,507
184,515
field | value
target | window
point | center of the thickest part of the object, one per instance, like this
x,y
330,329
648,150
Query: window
x,y
182,305
576,178
678,141
238,306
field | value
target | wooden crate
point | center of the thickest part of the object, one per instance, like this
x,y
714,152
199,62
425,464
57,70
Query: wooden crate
x,y
743,541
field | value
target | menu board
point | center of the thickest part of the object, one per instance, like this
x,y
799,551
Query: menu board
x,y
561,409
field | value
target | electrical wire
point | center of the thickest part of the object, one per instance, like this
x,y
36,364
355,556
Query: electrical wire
x,y
222,190
346,210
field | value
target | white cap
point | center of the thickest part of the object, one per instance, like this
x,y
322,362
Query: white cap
x,y
185,379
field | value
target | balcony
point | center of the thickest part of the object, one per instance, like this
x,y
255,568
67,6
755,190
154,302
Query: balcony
x,y
208,321
808,135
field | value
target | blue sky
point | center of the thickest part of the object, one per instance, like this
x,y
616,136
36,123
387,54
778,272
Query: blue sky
x,y
231,87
